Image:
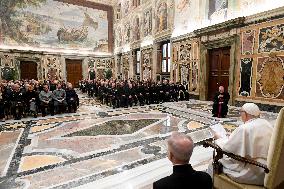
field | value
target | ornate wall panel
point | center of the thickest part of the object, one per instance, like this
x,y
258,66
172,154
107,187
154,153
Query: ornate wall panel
x,y
125,66
271,38
52,68
248,41
7,66
98,66
270,77
147,64
186,64
245,76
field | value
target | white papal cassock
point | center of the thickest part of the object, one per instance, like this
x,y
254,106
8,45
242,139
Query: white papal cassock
x,y
248,140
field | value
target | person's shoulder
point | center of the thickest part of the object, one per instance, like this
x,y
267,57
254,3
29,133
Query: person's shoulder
x,y
201,175
163,183
203,178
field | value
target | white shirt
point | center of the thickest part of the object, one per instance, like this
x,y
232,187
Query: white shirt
x,y
252,140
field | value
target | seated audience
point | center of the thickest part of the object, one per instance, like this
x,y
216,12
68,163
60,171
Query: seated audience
x,y
250,139
180,148
31,99
2,114
71,98
45,98
59,98
17,101
220,103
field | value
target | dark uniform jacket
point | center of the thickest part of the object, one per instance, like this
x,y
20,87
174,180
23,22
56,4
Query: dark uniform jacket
x,y
184,177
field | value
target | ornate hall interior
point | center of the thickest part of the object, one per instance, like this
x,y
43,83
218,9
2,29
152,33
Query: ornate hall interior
x,y
191,46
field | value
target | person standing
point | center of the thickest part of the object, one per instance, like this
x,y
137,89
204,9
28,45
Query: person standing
x,y
220,103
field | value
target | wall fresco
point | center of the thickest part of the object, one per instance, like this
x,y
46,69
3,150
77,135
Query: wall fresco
x,y
248,41
147,22
136,29
245,76
54,24
162,16
270,78
271,38
218,10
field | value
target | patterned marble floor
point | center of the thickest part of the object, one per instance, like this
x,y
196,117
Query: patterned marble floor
x,y
97,145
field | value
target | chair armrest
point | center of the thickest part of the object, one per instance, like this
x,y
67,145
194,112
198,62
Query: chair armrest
x,y
221,152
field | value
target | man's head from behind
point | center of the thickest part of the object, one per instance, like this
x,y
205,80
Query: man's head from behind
x,y
249,111
180,147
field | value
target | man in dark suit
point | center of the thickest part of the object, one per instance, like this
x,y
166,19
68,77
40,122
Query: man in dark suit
x,y
180,147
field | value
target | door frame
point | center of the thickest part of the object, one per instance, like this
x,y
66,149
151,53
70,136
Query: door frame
x,y
232,42
83,65
36,60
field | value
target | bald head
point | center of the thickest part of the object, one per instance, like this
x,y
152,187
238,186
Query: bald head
x,y
221,89
180,147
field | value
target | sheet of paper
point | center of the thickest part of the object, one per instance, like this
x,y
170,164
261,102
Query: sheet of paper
x,y
219,129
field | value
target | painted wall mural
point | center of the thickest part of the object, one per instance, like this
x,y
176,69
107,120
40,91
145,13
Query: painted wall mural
x,y
270,78
248,41
147,21
271,38
136,29
127,31
161,17
218,10
53,24
245,76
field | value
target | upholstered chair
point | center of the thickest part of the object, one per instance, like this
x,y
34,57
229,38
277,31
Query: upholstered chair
x,y
274,178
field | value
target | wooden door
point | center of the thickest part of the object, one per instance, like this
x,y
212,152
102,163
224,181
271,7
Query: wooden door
x,y
74,71
28,70
219,66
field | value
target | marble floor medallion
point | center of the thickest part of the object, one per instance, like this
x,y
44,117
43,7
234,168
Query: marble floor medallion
x,y
101,147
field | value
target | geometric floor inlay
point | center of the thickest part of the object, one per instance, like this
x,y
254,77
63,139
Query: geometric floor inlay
x,y
98,142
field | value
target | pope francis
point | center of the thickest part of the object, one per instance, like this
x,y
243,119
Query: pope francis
x,y
250,139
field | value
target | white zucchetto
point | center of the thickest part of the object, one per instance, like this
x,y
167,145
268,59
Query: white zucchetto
x,y
251,109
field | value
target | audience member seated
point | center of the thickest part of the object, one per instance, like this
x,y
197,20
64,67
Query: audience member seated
x,y
2,114
59,98
45,98
31,98
220,103
17,102
180,148
252,140
71,98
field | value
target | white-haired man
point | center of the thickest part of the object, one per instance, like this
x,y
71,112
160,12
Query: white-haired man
x,y
250,139
180,147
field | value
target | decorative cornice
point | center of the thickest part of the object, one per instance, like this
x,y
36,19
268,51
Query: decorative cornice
x,y
221,27
183,37
265,16
219,42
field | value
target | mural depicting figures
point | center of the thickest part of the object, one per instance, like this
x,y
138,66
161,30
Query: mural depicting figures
x,y
127,31
118,37
271,38
147,22
161,18
136,29
50,23
218,10
270,76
